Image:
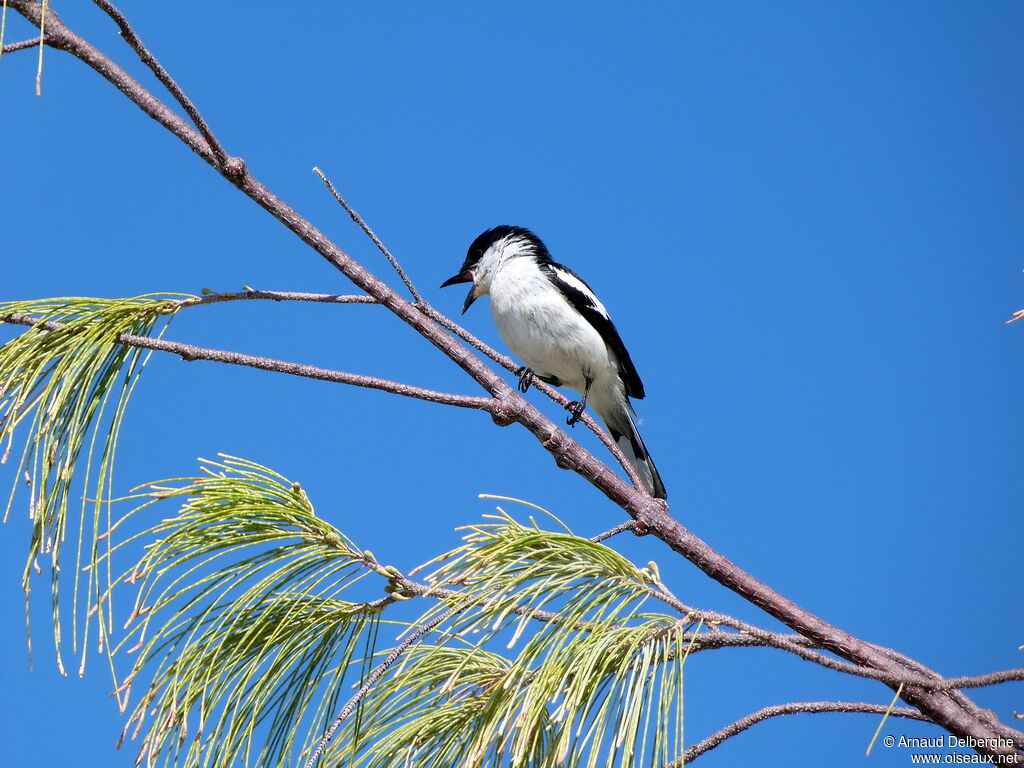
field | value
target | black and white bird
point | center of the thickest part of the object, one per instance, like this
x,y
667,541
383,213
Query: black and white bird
x,y
555,324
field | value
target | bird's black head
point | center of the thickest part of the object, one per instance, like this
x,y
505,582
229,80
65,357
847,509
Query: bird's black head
x,y
483,243
503,232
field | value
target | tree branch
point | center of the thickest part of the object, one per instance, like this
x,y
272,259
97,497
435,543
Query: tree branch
x,y
12,47
372,679
747,635
190,352
981,681
806,707
372,235
476,343
629,525
957,716
164,77
252,294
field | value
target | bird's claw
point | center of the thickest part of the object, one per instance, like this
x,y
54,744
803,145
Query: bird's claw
x,y
575,412
525,378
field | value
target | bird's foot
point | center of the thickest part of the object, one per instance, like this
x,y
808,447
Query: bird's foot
x,y
525,378
575,412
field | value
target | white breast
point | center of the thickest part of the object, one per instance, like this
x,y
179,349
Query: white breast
x,y
543,330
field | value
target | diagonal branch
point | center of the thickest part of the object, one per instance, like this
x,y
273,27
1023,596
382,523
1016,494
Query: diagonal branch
x,y
957,716
981,681
372,679
629,525
20,46
746,636
476,343
805,707
164,77
370,234
190,352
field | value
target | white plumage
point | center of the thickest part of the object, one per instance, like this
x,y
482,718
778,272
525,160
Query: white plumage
x,y
551,319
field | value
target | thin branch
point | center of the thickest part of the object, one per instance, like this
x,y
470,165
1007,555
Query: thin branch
x,y
959,697
747,635
164,77
190,352
252,294
888,676
371,234
980,681
942,708
799,707
374,676
629,525
12,47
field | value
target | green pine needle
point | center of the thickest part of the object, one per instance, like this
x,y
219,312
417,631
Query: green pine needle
x,y
60,384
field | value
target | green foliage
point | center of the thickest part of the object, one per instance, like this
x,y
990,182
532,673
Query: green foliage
x,y
61,381
596,681
250,637
245,634
245,625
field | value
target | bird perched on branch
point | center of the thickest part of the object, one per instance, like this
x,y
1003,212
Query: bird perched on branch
x,y
555,324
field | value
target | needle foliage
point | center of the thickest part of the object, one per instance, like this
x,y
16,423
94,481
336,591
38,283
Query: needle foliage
x,y
68,387
240,627
595,678
248,625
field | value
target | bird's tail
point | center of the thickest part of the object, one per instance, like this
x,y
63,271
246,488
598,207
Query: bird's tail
x,y
626,436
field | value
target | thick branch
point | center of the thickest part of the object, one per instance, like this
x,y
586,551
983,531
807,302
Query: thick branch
x,y
746,636
806,707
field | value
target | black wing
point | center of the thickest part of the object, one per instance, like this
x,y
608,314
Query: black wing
x,y
583,300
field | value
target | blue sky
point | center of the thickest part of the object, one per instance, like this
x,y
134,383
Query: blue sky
x,y
805,220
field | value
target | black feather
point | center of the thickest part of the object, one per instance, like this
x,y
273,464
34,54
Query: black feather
x,y
489,237
584,303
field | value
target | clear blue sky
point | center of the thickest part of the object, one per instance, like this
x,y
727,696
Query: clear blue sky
x,y
805,220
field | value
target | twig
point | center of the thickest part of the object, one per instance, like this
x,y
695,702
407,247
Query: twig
x,y
190,352
980,681
805,707
251,294
374,676
164,77
629,525
371,234
12,47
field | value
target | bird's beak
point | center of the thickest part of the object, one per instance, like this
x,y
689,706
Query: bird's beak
x,y
463,277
